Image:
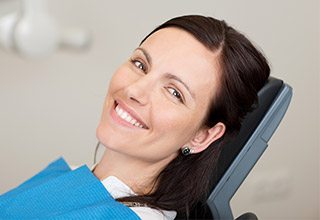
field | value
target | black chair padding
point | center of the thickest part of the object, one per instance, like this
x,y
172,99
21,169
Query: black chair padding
x,y
230,150
247,216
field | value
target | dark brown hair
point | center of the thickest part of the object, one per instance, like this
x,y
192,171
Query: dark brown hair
x,y
244,70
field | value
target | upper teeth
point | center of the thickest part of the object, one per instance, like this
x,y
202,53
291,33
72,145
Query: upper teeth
x,y
127,117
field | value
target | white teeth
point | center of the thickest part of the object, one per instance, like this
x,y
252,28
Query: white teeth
x,y
123,115
127,117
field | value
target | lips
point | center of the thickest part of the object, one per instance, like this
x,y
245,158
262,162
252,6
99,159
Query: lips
x,y
128,115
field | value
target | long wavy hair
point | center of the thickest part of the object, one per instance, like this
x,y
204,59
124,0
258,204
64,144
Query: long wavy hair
x,y
186,180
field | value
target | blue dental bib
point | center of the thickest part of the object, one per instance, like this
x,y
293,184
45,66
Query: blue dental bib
x,y
58,192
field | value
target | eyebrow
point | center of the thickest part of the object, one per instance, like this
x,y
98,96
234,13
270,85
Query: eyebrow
x,y
167,75
146,54
174,77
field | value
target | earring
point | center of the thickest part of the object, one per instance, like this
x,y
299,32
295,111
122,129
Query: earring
x,y
186,151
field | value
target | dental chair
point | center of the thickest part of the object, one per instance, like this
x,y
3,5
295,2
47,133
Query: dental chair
x,y
240,155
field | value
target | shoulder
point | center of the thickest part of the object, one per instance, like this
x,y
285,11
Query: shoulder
x,y
150,213
118,189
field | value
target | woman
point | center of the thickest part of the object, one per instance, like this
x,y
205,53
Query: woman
x,y
168,111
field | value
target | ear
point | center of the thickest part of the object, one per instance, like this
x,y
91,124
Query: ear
x,y
205,136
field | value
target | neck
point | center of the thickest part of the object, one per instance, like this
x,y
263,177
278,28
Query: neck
x,y
139,175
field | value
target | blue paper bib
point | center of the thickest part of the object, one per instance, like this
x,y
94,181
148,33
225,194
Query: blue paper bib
x,y
58,192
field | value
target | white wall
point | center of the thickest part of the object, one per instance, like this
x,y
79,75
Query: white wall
x,y
51,107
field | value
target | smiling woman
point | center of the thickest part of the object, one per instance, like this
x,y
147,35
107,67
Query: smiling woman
x,y
188,84
168,111
164,96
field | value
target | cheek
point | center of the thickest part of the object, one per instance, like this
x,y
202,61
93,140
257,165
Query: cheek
x,y
179,127
119,80
173,125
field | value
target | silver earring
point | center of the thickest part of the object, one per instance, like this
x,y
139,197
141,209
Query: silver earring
x,y
186,151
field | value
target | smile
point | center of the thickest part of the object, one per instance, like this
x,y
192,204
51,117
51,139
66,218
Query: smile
x,y
126,116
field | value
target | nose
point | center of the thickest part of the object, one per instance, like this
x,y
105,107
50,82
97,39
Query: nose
x,y
140,90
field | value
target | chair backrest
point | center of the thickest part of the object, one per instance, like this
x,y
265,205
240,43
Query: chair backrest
x,y
240,155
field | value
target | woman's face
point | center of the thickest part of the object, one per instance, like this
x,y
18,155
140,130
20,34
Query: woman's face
x,y
158,98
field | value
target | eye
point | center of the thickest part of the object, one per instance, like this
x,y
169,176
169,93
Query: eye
x,y
139,65
175,93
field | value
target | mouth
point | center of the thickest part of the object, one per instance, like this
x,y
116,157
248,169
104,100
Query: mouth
x,y
127,117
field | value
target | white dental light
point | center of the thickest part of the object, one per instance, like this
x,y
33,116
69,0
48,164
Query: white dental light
x,y
33,32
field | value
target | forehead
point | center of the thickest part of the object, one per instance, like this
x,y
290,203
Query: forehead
x,y
178,52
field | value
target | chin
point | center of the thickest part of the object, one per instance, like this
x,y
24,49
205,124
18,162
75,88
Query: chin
x,y
107,136
102,134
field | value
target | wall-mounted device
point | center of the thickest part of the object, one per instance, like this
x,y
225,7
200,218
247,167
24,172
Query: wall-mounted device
x,y
32,32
